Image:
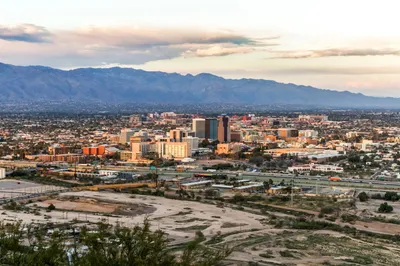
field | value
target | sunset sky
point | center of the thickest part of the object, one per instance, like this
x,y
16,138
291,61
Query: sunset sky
x,y
343,44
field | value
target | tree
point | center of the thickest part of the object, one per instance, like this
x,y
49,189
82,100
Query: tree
x,y
257,160
204,144
390,195
153,177
354,158
107,245
196,254
210,193
266,185
385,208
363,196
51,207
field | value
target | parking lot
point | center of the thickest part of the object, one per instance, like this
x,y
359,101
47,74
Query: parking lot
x,y
11,189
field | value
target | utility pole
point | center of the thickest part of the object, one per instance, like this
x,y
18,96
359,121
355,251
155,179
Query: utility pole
x,y
291,188
75,174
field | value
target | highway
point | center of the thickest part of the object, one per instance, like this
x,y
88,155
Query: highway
x,y
298,180
260,176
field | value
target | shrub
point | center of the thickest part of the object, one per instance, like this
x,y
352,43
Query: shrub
x,y
376,196
51,207
393,196
385,208
328,210
238,198
286,254
200,236
363,196
348,218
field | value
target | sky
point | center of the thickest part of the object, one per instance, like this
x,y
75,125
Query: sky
x,y
349,45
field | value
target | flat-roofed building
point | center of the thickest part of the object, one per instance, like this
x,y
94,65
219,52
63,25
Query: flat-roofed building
x,y
285,133
125,155
211,129
126,133
139,147
174,150
193,142
224,129
199,127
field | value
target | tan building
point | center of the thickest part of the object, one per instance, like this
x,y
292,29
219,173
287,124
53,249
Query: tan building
x,y
139,147
224,148
176,135
285,133
126,155
114,138
270,138
174,150
69,158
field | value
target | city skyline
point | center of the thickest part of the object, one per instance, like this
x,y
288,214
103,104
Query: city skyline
x,y
336,45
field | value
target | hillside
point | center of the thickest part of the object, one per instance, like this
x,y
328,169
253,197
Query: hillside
x,y
132,85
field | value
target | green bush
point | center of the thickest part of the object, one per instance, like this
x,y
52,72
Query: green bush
x,y
376,196
363,196
51,207
328,210
393,196
349,218
286,254
385,208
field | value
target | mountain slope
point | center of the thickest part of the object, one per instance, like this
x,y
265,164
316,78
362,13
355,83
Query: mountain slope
x,y
131,85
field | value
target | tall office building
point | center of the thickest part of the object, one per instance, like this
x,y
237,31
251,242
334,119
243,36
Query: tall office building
x,y
211,128
224,129
126,133
199,127
176,135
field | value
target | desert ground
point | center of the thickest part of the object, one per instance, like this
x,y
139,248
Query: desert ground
x,y
255,237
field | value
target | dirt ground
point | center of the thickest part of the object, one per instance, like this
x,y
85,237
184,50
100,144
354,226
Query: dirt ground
x,y
373,205
180,219
251,237
80,205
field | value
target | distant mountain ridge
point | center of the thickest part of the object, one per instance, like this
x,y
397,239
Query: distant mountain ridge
x,y
132,85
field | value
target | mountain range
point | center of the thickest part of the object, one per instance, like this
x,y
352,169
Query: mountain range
x,y
31,83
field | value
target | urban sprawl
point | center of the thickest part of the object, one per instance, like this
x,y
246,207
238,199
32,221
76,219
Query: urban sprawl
x,y
275,188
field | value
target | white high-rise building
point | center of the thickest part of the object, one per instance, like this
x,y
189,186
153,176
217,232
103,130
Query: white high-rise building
x,y
308,133
199,127
193,143
126,134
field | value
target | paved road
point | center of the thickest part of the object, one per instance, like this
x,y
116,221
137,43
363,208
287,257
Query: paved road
x,y
276,177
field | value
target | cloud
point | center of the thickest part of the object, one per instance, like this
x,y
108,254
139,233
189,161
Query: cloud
x,y
327,70
149,37
334,52
121,45
218,51
24,33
